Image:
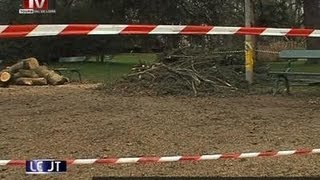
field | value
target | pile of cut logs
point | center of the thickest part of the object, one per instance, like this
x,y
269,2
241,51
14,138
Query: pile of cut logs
x,y
29,72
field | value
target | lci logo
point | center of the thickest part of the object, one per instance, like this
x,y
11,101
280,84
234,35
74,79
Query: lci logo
x,y
45,166
38,6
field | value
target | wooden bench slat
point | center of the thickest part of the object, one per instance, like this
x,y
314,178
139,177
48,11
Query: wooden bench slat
x,y
288,75
300,54
66,69
294,73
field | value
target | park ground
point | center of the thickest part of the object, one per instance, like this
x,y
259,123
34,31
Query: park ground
x,y
83,121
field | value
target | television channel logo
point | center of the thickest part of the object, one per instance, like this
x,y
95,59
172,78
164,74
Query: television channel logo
x,y
45,166
38,6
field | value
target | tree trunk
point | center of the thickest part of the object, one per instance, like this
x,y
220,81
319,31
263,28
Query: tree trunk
x,y
30,63
31,81
102,58
52,77
25,73
312,20
6,74
5,77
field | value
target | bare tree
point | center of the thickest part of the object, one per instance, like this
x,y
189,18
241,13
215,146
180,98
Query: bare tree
x,y
312,20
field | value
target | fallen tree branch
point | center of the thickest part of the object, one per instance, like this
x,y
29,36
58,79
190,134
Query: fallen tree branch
x,y
191,74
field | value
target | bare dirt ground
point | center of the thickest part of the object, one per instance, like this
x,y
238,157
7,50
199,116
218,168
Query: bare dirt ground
x,y
76,121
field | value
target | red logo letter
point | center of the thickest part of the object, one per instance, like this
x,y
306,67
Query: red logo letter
x,y
35,4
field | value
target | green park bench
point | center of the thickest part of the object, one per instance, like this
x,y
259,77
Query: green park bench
x,y
69,70
283,78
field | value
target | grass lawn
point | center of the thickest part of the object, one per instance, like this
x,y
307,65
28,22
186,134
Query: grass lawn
x,y
109,71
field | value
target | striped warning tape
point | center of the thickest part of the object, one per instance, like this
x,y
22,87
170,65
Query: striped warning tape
x,y
7,31
228,52
238,51
174,158
268,52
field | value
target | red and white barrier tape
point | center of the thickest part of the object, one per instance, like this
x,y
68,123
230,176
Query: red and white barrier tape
x,y
174,158
7,31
